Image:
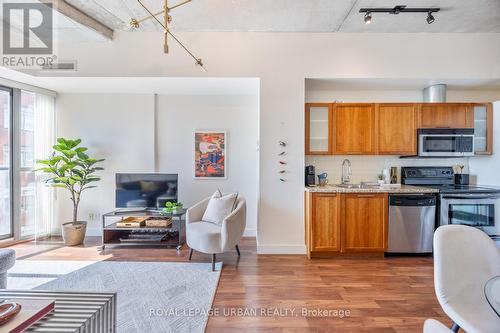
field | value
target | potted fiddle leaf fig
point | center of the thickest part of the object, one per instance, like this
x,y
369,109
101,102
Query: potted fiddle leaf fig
x,y
71,168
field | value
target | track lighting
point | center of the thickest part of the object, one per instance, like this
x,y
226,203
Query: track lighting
x,y
368,18
397,10
430,18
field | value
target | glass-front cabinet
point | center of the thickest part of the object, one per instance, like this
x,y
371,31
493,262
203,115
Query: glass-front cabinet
x,y
483,128
319,118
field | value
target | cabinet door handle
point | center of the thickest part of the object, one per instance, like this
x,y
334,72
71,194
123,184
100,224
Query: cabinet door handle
x,y
365,195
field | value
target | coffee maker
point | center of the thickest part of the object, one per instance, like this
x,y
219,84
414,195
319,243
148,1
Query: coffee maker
x,y
310,175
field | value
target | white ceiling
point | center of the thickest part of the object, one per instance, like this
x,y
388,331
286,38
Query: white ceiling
x,y
139,85
300,15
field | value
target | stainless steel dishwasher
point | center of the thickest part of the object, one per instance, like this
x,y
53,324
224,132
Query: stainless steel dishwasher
x,y
412,220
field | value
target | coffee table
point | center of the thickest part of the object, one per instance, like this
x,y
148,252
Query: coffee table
x,y
81,312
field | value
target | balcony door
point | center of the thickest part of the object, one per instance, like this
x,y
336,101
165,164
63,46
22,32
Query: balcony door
x,y
26,134
6,204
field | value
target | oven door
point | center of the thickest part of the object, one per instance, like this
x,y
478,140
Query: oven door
x,y
440,145
477,210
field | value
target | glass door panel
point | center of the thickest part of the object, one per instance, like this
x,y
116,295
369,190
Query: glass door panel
x,y
27,217
480,128
5,163
319,129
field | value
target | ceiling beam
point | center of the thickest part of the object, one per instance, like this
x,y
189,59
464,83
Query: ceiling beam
x,y
78,16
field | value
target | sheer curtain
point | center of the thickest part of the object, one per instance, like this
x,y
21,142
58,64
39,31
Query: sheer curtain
x,y
44,138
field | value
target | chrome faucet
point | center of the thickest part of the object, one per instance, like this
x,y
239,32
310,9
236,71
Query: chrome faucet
x,y
346,171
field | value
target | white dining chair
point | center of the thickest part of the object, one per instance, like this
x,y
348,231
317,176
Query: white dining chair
x,y
435,326
465,258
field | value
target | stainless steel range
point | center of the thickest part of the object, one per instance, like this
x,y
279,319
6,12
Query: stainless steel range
x,y
477,206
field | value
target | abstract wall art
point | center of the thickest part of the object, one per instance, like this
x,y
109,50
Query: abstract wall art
x,y
210,154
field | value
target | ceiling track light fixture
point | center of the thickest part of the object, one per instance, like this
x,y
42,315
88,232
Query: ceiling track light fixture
x,y
368,18
135,24
397,10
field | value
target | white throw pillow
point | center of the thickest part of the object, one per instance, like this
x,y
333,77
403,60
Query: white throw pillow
x,y
219,207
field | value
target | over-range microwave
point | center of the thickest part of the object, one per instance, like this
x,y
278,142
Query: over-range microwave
x,y
446,142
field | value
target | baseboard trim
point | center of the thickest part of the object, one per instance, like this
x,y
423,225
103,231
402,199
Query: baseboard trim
x,y
281,249
250,233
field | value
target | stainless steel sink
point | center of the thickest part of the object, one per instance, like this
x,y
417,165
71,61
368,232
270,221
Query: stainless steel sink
x,y
349,185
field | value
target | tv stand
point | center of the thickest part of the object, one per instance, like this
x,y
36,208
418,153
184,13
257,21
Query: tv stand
x,y
170,236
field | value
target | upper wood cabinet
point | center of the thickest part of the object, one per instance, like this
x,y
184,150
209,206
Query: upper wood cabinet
x,y
319,122
325,223
397,129
446,115
354,129
390,128
483,127
364,222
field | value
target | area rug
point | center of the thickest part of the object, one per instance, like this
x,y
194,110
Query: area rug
x,y
152,296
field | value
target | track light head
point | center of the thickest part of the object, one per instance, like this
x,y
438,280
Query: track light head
x,y
368,18
430,18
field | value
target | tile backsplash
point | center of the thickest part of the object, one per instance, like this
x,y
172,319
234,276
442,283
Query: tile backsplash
x,y
367,168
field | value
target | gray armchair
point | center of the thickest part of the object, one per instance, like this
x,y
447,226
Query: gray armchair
x,y
211,238
7,260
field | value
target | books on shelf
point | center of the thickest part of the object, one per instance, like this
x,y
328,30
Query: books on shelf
x,y
132,222
159,222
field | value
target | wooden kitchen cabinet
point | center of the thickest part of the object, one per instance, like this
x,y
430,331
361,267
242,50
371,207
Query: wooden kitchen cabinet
x,y
390,128
324,222
354,129
318,134
364,222
446,115
483,127
397,129
338,224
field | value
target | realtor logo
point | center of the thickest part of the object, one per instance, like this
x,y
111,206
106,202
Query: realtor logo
x,y
27,28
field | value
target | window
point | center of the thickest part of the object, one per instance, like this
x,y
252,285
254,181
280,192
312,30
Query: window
x,y
5,155
27,157
27,215
27,134
5,165
6,116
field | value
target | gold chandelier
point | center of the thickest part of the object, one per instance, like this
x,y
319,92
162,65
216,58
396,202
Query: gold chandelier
x,y
134,23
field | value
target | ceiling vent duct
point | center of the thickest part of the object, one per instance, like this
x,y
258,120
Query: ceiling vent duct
x,y
67,66
435,93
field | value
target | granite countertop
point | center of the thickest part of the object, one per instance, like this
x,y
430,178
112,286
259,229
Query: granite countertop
x,y
374,189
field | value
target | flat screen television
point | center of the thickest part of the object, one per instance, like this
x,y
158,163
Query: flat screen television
x,y
145,190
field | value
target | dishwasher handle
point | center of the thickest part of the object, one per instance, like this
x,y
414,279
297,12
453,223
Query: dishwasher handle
x,y
413,200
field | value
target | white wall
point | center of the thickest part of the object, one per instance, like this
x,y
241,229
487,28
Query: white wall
x,y
283,61
115,127
121,129
485,168
179,116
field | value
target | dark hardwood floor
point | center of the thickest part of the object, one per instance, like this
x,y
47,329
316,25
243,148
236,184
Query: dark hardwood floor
x,y
381,294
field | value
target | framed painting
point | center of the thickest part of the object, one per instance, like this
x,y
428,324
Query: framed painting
x,y
210,154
